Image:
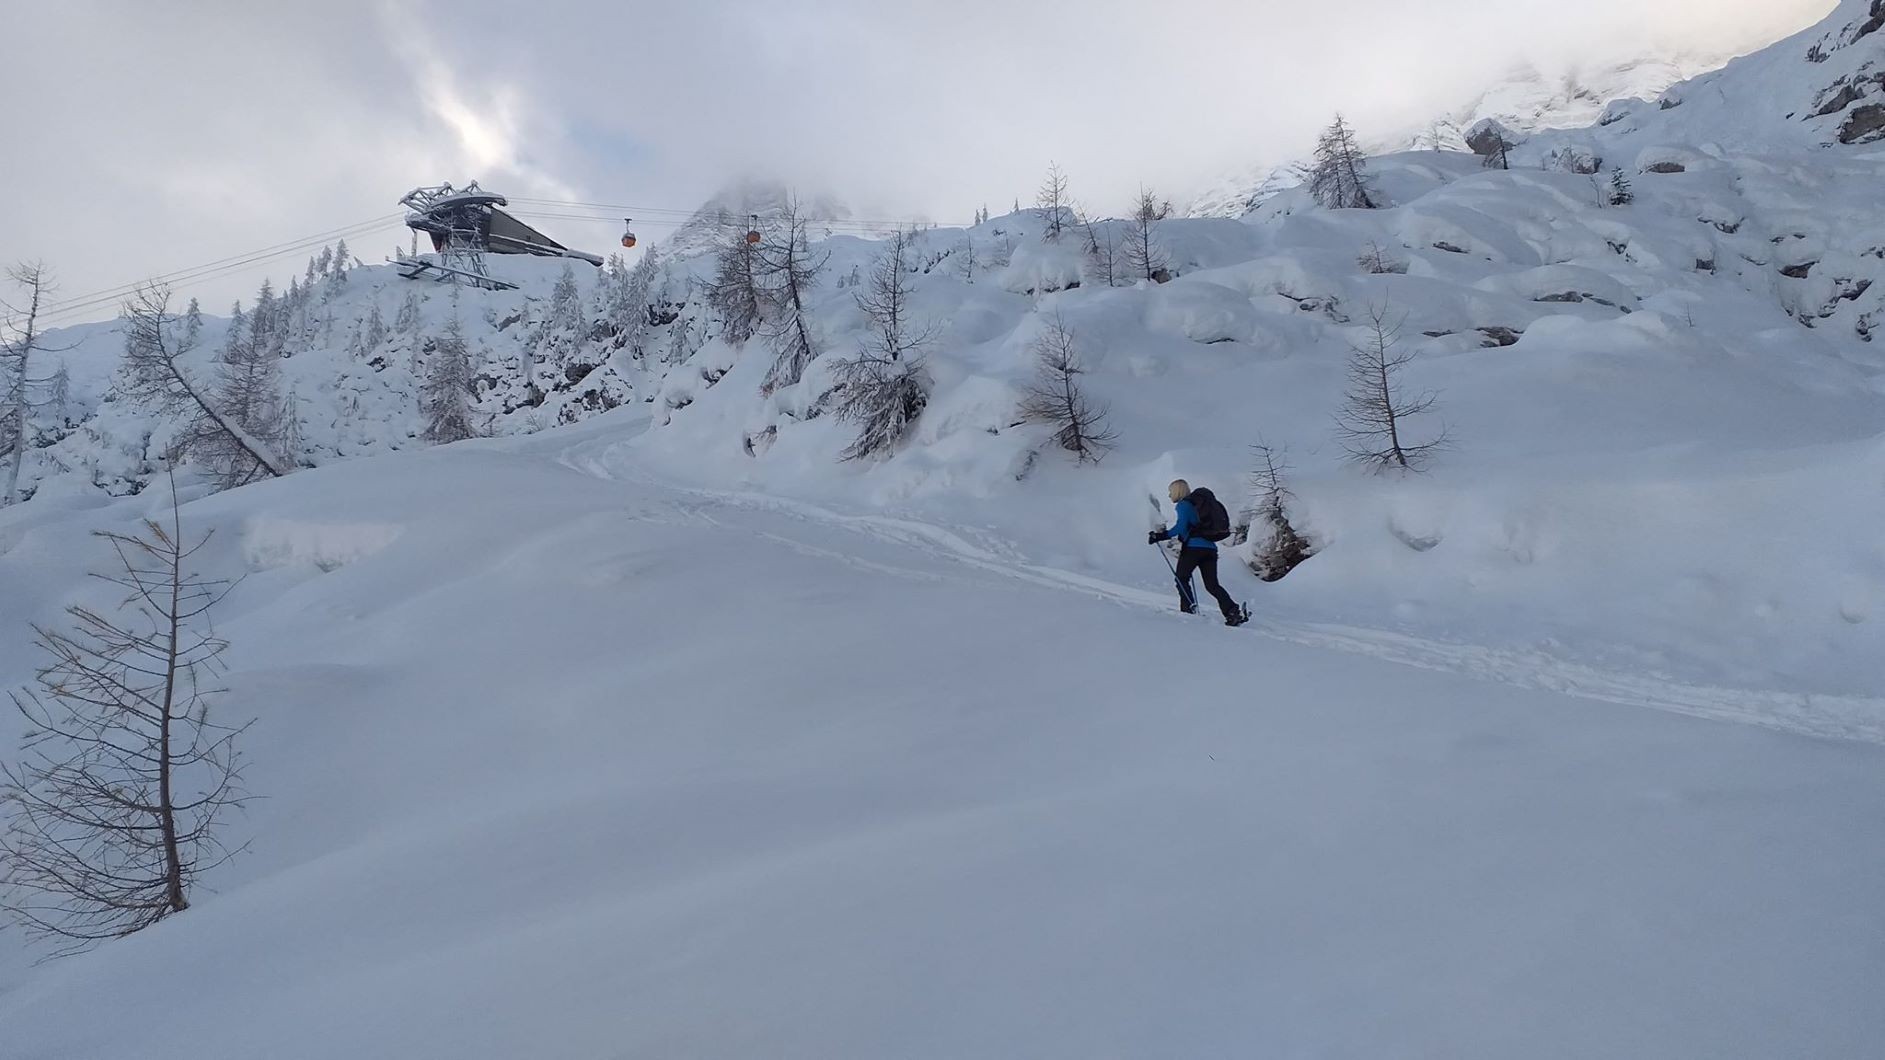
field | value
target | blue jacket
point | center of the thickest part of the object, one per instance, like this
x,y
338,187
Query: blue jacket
x,y
1187,517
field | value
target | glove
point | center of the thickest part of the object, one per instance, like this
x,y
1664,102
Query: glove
x,y
1153,537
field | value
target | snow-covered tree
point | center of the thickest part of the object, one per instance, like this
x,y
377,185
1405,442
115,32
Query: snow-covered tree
x,y
1373,421
248,393
1339,180
790,270
1052,202
625,297
735,293
1055,397
1621,194
265,323
561,341
155,375
885,387
373,335
59,396
1275,546
446,400
17,348
1144,255
192,323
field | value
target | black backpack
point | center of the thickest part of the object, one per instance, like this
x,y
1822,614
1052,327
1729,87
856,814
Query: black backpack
x,y
1213,519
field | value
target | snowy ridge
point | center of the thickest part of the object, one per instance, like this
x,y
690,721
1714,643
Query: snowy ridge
x,y
1526,100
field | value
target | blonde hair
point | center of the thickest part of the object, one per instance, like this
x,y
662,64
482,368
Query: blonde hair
x,y
1180,489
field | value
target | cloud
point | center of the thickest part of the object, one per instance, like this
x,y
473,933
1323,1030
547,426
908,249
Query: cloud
x,y
151,137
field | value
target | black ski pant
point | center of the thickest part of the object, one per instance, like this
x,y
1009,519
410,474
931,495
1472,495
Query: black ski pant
x,y
1204,561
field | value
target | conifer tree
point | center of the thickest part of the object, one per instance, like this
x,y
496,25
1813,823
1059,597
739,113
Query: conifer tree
x,y
1339,180
446,399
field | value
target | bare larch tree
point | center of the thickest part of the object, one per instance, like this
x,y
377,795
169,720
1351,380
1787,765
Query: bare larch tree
x,y
1144,255
735,293
114,810
1055,397
153,368
885,387
1275,546
1373,421
1102,248
1339,180
16,368
1052,202
790,270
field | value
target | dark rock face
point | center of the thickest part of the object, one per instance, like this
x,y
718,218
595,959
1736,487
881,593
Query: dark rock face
x,y
1666,167
1864,125
1845,97
1873,24
1487,138
1498,336
1800,271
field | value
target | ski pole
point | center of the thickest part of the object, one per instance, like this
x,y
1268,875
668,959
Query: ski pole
x,y
1184,590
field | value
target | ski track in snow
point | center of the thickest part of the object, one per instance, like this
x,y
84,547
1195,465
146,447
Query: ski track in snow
x,y
1857,718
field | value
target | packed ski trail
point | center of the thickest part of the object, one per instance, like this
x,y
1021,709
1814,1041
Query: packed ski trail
x,y
612,457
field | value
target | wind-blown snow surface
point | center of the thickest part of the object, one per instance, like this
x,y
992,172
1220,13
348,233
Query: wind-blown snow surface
x,y
568,766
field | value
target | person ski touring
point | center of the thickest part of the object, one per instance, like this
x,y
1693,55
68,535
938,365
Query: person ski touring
x,y
1201,522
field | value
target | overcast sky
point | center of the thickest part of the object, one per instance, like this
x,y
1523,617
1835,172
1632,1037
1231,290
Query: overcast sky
x,y
150,137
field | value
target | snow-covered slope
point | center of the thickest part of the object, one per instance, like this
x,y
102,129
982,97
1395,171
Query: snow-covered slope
x,y
652,729
559,765
1640,397
1526,100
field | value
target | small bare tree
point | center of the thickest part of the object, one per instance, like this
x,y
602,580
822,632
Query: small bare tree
x,y
1144,255
1052,202
113,812
153,368
1102,249
965,259
788,265
1055,397
1377,260
1375,410
1339,180
16,367
1275,546
885,387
